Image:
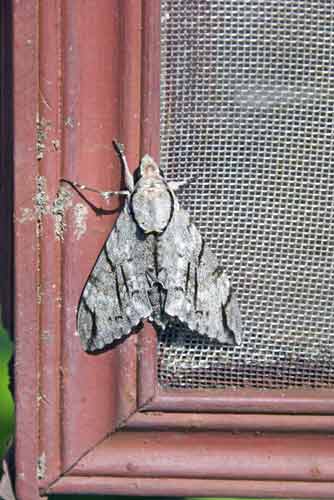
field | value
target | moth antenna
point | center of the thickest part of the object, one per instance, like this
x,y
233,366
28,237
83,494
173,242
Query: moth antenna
x,y
128,177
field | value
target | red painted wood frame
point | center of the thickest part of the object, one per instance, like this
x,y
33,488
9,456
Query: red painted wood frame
x,y
89,72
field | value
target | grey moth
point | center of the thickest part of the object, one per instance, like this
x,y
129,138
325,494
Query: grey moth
x,y
155,266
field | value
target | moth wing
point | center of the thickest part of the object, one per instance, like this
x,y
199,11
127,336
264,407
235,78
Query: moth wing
x,y
115,298
216,302
199,293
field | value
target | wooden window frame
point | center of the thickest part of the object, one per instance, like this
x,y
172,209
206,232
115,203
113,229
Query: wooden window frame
x,y
101,424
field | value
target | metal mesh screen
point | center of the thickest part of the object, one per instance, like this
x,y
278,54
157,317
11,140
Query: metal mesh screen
x,y
247,101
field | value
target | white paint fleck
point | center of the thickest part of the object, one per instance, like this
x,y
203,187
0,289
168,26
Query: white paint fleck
x,y
41,466
80,220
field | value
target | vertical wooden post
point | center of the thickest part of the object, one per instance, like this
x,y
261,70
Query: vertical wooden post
x,y
25,41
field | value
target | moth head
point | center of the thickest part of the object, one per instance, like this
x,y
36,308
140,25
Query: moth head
x,y
151,201
148,169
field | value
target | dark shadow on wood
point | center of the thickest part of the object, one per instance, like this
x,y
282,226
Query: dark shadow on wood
x,y
7,189
6,167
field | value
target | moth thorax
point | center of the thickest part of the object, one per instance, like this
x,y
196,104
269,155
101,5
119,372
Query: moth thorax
x,y
152,207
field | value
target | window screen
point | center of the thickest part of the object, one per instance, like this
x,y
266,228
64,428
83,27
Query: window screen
x,y
247,97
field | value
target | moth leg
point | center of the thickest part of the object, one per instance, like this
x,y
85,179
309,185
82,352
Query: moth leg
x,y
105,194
176,185
128,177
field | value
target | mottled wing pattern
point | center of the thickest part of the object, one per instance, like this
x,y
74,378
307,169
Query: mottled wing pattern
x,y
199,294
115,299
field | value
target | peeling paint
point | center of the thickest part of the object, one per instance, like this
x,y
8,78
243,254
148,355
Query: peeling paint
x,y
39,294
42,398
41,466
43,126
46,335
69,122
55,208
59,301
41,202
80,220
56,144
40,206
27,215
41,199
62,203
